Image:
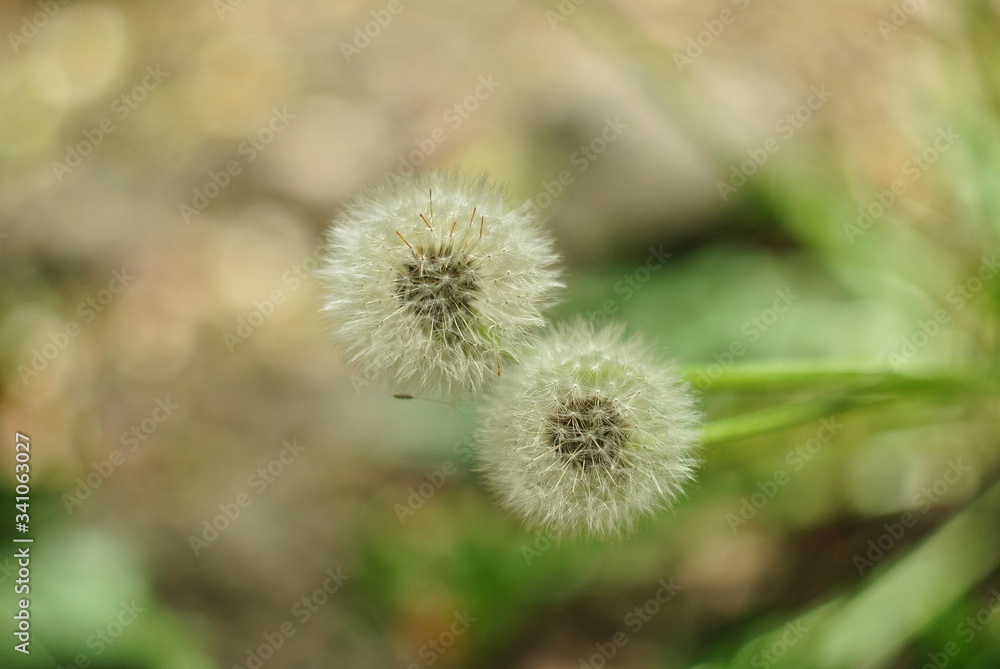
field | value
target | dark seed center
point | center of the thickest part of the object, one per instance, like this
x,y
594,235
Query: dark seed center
x,y
439,285
588,431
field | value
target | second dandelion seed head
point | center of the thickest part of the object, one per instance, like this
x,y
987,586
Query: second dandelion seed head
x,y
592,433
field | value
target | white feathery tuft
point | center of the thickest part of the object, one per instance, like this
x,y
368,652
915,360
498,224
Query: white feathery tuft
x,y
589,435
435,283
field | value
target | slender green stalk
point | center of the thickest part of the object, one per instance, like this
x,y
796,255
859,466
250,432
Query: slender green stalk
x,y
771,420
785,376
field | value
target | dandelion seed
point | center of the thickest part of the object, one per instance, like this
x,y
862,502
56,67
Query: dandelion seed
x,y
589,435
426,302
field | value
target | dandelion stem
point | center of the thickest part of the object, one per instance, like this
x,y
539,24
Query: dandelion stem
x,y
772,420
786,377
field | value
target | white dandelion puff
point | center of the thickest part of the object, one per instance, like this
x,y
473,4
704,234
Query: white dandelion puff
x,y
434,283
590,434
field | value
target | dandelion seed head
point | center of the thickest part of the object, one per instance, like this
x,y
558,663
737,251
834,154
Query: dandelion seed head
x,y
434,283
589,435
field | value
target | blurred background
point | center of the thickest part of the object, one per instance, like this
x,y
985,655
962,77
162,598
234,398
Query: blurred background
x,y
810,185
